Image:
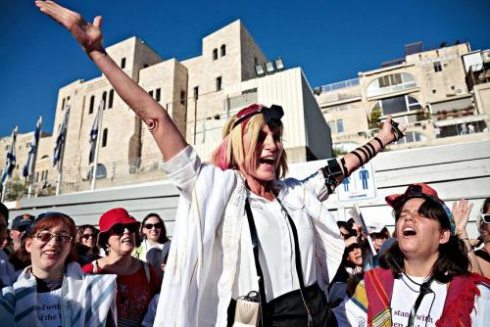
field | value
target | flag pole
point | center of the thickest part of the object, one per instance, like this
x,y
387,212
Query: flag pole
x,y
59,166
34,156
97,144
5,170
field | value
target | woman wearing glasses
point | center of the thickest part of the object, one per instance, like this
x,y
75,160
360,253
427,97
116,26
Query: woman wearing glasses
x,y
86,244
54,291
154,235
137,282
217,253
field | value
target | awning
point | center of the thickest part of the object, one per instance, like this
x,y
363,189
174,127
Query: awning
x,y
450,105
461,120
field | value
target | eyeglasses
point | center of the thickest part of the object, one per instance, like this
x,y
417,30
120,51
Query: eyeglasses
x,y
87,236
120,229
45,237
150,226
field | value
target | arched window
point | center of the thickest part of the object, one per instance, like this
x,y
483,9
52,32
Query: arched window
x,y
399,104
104,138
91,106
101,172
223,50
391,83
412,137
215,54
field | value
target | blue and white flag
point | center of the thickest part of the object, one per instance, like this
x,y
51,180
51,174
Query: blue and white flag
x,y
11,158
60,138
94,132
30,165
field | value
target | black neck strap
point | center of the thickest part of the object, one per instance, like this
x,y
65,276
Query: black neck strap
x,y
256,245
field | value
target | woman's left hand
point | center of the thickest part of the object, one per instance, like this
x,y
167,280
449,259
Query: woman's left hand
x,y
386,133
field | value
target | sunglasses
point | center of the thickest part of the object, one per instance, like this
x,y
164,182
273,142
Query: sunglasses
x,y
120,229
485,218
45,237
87,236
150,226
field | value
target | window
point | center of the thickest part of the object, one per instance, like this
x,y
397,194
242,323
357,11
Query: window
x,y
158,94
196,92
123,63
223,50
182,97
219,83
399,104
63,104
91,106
99,174
111,98
437,66
37,177
391,83
215,54
340,125
46,176
151,93
104,99
104,138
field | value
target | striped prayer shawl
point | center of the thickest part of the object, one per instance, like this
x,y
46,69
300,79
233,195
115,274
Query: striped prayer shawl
x,y
85,300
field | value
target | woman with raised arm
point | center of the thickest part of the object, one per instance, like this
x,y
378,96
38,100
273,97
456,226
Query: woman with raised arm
x,y
241,232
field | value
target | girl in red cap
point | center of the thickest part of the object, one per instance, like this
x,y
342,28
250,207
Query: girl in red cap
x,y
241,232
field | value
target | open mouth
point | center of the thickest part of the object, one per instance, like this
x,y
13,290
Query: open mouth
x,y
409,231
267,160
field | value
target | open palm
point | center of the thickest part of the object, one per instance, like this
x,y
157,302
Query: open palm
x,y
89,36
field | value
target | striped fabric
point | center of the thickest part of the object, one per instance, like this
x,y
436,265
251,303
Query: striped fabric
x,y
86,300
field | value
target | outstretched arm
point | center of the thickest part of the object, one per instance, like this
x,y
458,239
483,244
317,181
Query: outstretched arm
x,y
89,36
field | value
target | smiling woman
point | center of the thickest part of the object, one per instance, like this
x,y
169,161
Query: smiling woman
x,y
49,290
137,282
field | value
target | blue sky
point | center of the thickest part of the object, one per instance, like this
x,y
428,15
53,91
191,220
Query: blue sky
x,y
330,40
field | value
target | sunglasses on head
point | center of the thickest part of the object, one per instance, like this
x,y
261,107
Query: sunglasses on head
x,y
46,236
120,229
150,226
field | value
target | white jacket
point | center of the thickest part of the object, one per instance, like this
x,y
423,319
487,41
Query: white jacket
x,y
85,299
201,267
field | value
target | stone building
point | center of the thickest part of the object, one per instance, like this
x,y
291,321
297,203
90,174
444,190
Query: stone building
x,y
427,90
200,93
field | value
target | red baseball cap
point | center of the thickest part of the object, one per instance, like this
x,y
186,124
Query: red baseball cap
x,y
113,217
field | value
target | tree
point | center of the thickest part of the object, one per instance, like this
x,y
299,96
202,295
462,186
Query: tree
x,y
16,189
374,117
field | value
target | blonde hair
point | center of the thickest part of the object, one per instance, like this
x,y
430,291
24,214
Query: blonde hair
x,y
235,153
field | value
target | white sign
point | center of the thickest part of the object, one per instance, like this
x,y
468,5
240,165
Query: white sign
x,y
358,186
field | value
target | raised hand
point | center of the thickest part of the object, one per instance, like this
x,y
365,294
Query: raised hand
x,y
89,36
461,211
386,133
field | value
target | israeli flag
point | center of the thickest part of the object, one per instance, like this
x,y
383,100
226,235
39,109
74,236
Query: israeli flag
x,y
11,158
60,138
94,132
28,170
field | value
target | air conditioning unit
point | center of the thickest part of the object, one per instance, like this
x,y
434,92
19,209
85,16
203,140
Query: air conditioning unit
x,y
486,56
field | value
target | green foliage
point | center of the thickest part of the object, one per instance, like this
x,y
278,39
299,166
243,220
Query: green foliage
x,y
16,189
374,117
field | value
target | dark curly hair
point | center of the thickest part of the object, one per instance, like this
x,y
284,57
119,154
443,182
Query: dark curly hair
x,y
453,256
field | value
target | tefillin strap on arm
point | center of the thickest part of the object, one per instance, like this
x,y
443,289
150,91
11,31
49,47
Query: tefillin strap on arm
x,y
331,172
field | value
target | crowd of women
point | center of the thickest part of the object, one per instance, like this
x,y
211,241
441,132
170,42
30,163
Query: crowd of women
x,y
249,246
